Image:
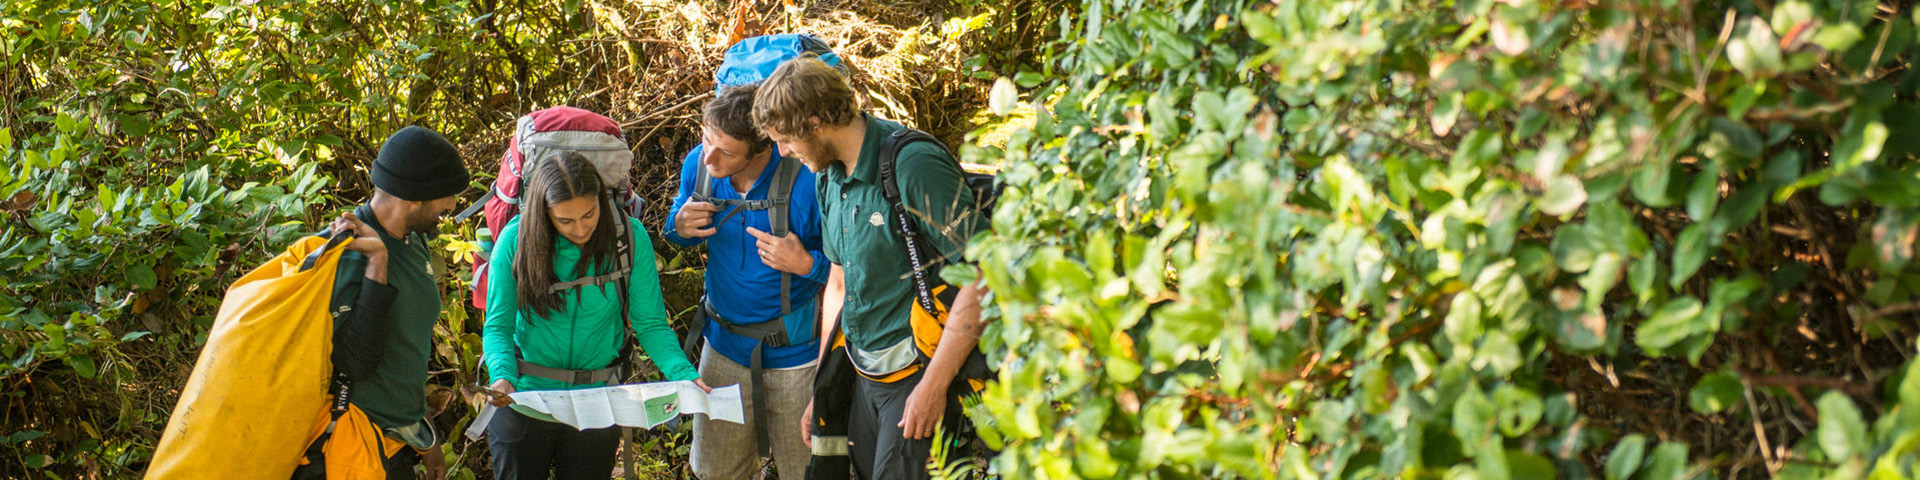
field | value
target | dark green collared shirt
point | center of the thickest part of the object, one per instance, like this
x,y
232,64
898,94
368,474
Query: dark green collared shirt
x,y
393,394
859,234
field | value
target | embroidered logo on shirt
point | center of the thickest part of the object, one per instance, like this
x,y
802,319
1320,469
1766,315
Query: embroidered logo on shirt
x,y
876,219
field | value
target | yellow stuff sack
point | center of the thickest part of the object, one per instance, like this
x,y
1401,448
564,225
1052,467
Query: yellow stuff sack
x,y
249,408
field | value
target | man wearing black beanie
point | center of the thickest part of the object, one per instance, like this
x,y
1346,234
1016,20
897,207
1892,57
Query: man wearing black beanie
x,y
385,299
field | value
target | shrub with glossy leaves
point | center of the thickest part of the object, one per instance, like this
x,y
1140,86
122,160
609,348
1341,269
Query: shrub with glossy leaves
x,y
1468,239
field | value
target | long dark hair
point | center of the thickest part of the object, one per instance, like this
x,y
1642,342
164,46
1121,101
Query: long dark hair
x,y
554,179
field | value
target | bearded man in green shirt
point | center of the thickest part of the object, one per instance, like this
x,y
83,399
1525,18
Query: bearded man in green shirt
x,y
809,110
386,298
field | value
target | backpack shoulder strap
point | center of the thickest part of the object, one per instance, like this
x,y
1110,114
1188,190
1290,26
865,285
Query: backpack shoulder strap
x,y
703,182
623,268
780,197
888,159
623,248
632,343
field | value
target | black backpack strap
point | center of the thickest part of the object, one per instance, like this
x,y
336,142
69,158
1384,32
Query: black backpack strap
x,y
316,452
342,388
623,247
611,374
779,199
601,279
975,366
342,397
781,195
690,343
890,186
703,191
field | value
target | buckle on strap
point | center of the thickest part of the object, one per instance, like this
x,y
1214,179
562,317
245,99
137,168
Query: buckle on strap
x,y
761,204
771,333
596,280
577,377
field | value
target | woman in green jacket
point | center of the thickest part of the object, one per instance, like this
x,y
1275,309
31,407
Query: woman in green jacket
x,y
547,329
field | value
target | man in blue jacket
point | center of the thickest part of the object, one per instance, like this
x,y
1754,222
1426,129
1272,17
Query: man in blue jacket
x,y
758,215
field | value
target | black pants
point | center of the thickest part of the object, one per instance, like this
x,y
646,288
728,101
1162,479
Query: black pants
x,y
873,428
526,448
400,465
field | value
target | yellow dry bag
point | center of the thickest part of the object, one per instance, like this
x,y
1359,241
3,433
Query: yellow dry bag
x,y
249,409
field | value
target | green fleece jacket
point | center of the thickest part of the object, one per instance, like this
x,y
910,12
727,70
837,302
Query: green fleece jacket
x,y
585,334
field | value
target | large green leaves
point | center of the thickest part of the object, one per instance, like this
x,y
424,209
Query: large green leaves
x,y
1842,433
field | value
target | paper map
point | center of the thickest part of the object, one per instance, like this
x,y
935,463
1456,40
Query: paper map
x,y
643,405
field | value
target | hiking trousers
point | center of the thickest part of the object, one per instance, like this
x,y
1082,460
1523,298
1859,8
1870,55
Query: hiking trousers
x,y
873,429
528,448
725,450
400,465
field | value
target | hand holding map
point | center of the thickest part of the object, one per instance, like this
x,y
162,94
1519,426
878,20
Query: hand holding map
x,y
644,405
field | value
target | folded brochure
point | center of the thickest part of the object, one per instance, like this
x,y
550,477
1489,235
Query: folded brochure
x,y
644,405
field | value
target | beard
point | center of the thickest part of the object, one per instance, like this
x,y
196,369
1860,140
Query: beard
x,y
424,222
823,154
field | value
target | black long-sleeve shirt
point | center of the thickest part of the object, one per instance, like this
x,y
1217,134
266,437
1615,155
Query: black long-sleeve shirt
x,y
361,309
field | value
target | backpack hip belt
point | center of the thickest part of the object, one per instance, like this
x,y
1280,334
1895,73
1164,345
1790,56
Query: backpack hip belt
x,y
765,335
576,377
771,334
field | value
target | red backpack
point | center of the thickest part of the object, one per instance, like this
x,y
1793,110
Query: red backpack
x,y
537,135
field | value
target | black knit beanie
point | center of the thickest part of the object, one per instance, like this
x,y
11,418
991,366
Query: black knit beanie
x,y
418,164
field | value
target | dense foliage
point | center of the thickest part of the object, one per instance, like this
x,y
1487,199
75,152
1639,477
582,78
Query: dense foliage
x,y
151,158
1468,239
152,152
1461,239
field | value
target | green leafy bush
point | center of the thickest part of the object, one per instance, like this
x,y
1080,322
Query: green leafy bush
x,y
94,260
155,151
1467,239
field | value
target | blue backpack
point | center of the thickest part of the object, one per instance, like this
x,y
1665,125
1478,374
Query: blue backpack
x,y
754,59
